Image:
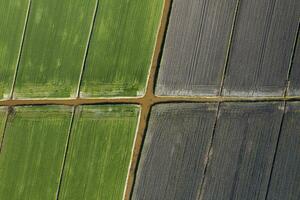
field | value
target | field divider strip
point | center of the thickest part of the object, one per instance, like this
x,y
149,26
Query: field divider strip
x,y
20,50
9,110
291,60
229,46
276,149
65,153
87,48
209,153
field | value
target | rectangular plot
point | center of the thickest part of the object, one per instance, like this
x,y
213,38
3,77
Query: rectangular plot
x,y
175,151
33,151
242,153
285,180
99,154
294,86
262,46
121,48
13,17
196,46
54,48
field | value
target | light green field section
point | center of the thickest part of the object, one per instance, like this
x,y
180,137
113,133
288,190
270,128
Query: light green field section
x,y
54,48
99,153
121,48
33,151
12,20
3,115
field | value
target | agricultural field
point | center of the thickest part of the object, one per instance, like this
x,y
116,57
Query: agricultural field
x,y
142,100
66,43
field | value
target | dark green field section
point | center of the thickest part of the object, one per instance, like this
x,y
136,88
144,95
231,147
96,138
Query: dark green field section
x,y
12,15
196,47
175,151
262,47
54,48
294,87
285,180
99,154
33,151
121,48
3,116
242,151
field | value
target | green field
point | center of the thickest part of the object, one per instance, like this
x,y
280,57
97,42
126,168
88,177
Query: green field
x,y
12,20
99,153
59,33
121,48
98,157
54,48
33,151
